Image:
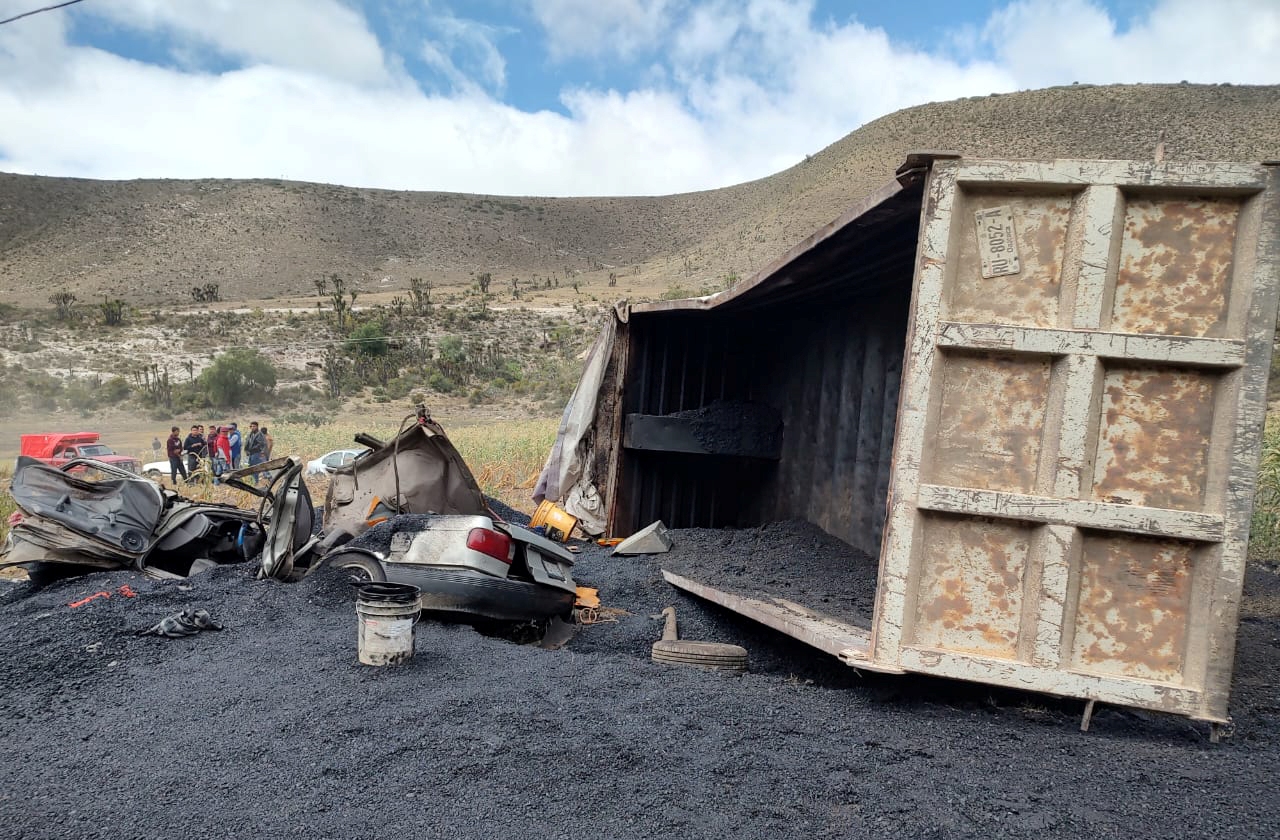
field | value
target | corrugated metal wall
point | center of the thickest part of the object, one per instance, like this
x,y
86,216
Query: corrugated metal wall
x,y
831,371
835,379
680,362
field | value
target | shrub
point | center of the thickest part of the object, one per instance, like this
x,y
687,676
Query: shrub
x,y
64,305
113,312
368,339
114,390
441,383
237,376
306,418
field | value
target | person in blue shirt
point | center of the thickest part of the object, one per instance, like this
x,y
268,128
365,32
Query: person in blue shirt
x,y
233,436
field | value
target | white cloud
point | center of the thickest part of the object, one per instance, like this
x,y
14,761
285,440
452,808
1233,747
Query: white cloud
x,y
604,27
32,53
740,90
473,45
1044,43
323,37
708,31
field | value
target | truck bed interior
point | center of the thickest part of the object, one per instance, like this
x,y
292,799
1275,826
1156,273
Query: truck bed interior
x,y
814,351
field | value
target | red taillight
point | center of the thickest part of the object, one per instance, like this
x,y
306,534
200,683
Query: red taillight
x,y
493,543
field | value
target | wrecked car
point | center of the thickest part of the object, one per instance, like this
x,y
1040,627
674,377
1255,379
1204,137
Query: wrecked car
x,y
71,523
410,511
469,564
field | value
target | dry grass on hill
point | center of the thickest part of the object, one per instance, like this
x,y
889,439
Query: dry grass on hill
x,y
149,242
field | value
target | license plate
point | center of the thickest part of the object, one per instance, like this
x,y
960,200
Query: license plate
x,y
997,243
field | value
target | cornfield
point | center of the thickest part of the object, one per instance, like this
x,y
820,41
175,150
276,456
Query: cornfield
x,y
505,456
1264,529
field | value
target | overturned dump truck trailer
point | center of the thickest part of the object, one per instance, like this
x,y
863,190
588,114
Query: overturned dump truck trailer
x,y
1034,389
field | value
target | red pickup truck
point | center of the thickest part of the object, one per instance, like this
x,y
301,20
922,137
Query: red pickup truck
x,y
60,447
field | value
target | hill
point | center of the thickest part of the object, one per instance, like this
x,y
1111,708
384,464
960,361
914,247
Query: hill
x,y
149,241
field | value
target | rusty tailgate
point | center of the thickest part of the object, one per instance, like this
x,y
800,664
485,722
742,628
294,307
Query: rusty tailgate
x,y
1079,428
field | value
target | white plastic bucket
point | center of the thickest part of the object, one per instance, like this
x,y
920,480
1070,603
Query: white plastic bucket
x,y
386,614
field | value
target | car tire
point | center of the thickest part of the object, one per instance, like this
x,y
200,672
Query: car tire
x,y
358,565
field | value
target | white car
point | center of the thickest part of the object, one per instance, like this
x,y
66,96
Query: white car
x,y
330,461
158,470
466,564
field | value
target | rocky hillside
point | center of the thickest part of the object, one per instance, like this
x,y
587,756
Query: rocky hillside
x,y
149,242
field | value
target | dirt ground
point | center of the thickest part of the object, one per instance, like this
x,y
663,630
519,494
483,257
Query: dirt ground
x,y
270,728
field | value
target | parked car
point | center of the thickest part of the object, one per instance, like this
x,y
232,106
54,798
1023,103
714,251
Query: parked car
x,y
159,470
88,515
59,448
330,461
466,564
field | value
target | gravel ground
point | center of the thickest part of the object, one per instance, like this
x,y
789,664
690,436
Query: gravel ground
x,y
270,728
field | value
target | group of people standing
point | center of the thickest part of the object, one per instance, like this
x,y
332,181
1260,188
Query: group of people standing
x,y
223,446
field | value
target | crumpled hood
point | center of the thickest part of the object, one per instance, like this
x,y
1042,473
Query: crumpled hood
x,y
418,471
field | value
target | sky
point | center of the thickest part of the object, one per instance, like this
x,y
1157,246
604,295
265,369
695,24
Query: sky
x,y
553,97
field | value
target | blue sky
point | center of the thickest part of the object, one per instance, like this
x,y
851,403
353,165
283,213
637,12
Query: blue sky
x,y
553,97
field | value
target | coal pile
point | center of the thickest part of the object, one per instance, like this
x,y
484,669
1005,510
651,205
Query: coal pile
x,y
270,728
794,560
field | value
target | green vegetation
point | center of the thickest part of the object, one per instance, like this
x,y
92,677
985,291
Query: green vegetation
x,y
46,392
368,339
113,312
237,377
7,505
161,363
342,301
1264,529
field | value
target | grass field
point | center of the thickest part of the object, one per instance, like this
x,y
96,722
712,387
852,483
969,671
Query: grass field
x,y
505,456
1264,529
6,501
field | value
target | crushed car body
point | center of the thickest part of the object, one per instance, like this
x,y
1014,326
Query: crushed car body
x,y
417,471
410,511
120,520
466,564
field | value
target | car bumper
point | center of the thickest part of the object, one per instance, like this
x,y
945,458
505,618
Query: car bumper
x,y
460,591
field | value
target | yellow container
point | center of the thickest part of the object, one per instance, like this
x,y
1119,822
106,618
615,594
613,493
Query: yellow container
x,y
558,522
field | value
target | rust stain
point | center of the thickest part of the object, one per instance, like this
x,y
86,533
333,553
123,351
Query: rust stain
x,y
1153,445
1029,298
991,421
1175,266
970,598
1135,601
